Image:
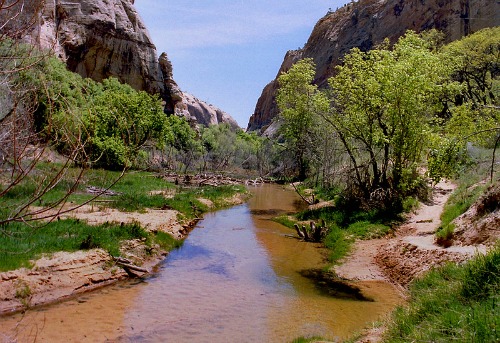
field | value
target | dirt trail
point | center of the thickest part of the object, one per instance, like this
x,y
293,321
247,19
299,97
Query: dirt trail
x,y
423,224
413,244
409,253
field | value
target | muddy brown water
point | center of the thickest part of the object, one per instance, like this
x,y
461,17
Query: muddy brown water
x,y
236,279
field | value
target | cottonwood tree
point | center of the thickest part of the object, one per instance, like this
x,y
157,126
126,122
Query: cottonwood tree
x,y
383,104
475,112
300,103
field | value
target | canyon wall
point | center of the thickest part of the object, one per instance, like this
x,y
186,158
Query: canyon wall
x,y
366,23
103,38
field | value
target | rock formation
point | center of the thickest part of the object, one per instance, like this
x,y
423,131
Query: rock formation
x,y
206,114
187,105
367,23
103,38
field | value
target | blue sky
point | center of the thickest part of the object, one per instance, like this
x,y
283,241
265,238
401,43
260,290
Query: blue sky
x,y
225,52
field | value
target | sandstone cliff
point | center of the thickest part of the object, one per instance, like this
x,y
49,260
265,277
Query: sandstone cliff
x,y
103,38
366,23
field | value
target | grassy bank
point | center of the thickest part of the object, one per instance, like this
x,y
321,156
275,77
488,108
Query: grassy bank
x,y
22,243
453,303
343,228
135,191
471,184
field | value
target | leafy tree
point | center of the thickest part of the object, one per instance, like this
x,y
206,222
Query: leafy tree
x,y
120,123
477,65
475,111
300,103
383,102
112,120
219,142
183,143
24,181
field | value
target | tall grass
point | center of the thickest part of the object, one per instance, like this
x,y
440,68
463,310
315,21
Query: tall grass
x,y
19,244
343,228
338,242
453,303
134,190
468,191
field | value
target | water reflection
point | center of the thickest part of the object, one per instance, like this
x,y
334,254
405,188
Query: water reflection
x,y
236,278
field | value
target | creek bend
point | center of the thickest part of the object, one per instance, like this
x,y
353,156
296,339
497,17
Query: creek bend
x,y
235,279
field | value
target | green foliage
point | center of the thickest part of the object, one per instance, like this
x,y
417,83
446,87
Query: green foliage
x,y
446,157
306,340
482,277
390,110
383,104
121,122
300,102
165,241
458,203
338,242
444,235
21,244
410,204
452,303
106,123
219,142
474,116
227,149
188,204
477,61
285,220
368,230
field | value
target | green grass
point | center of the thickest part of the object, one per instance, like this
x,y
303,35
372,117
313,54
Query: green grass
x,y
453,303
285,220
458,203
188,204
343,228
306,340
368,230
410,204
20,243
338,242
134,189
468,191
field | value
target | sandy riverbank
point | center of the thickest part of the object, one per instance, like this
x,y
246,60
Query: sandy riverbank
x,y
62,275
412,250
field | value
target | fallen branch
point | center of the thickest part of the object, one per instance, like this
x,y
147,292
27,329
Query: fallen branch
x,y
129,266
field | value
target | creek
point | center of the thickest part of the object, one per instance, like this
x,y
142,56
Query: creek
x,y
236,278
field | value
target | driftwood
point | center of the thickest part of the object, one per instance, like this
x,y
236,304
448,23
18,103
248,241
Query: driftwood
x,y
299,232
309,202
306,234
199,180
101,191
315,234
129,267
